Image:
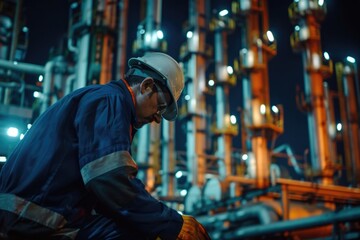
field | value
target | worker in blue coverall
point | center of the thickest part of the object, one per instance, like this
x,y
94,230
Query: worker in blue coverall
x,y
72,175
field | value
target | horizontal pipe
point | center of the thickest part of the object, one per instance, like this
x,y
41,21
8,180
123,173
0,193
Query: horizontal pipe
x,y
352,214
240,179
338,192
22,67
17,85
263,213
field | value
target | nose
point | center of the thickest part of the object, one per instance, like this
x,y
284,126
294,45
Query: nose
x,y
157,117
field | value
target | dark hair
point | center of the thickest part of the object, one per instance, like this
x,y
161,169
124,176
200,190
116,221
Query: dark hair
x,y
132,79
135,76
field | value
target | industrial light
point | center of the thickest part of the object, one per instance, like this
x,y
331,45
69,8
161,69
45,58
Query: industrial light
x,y
223,13
159,34
41,78
275,109
297,28
74,5
36,94
244,157
12,132
178,174
247,57
21,136
2,159
270,36
25,29
183,192
338,127
262,109
326,55
233,119
28,126
230,70
187,97
211,82
189,34
321,2
147,37
350,59
221,24
316,61
142,31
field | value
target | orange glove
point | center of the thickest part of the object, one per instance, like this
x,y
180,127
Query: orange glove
x,y
192,230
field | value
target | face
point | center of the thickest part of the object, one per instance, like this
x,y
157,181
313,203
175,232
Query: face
x,y
151,102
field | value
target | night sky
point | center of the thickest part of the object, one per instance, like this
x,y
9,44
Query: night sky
x,y
340,32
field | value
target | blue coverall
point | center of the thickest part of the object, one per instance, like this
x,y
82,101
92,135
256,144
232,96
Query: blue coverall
x,y
68,179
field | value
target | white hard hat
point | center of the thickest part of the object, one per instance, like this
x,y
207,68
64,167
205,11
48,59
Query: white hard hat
x,y
171,76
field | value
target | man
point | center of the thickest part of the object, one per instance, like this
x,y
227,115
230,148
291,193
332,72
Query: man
x,y
73,177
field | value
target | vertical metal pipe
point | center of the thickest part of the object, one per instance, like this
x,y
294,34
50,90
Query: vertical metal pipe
x,y
224,139
142,153
48,85
69,86
84,45
168,159
262,161
311,124
150,17
318,117
165,160
256,97
309,40
158,11
154,156
285,202
14,43
339,67
153,23
122,38
330,124
5,24
196,138
352,117
108,41
15,33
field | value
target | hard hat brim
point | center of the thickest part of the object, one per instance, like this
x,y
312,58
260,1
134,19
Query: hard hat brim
x,y
172,110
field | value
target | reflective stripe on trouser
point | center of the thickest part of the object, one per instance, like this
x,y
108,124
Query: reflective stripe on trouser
x,y
36,213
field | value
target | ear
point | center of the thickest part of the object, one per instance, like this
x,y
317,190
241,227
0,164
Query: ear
x,y
147,85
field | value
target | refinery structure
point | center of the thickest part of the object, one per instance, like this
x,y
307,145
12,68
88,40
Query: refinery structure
x,y
236,193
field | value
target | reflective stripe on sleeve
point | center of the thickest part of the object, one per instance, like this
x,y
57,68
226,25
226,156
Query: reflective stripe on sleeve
x,y
105,164
68,233
31,211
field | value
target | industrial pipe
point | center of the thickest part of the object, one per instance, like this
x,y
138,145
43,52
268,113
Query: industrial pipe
x,y
22,67
263,213
70,81
48,82
346,215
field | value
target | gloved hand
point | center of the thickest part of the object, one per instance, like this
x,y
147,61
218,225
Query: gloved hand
x,y
192,230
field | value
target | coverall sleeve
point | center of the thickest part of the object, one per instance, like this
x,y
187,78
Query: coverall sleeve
x,y
109,172
127,200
